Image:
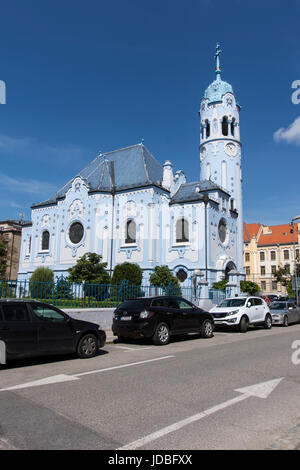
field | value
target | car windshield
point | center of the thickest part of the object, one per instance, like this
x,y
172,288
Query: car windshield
x,y
232,303
277,305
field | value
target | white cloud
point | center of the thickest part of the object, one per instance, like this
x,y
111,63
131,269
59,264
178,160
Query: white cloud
x,y
33,149
291,135
28,186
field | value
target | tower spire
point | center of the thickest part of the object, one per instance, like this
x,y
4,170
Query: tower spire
x,y
217,57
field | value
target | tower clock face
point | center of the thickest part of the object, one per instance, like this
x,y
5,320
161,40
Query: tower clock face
x,y
231,149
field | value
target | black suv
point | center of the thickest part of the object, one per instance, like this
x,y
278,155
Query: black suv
x,y
30,328
159,317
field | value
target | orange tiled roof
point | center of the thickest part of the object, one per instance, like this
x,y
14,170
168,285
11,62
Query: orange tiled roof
x,y
250,230
278,234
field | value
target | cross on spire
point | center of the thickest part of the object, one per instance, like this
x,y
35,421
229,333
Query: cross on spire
x,y
217,57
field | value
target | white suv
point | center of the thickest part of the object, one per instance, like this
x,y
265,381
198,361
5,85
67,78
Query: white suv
x,y
240,312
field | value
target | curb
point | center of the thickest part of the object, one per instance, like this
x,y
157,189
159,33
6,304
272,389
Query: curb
x,y
289,441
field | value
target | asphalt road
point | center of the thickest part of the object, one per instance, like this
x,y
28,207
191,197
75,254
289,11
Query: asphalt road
x,y
191,394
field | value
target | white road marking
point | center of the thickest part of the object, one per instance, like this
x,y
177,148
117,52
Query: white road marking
x,y
122,366
45,381
261,390
133,349
67,378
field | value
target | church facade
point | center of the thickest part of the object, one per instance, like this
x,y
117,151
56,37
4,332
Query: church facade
x,y
127,206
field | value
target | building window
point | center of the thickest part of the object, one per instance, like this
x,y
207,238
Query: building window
x,y
232,125
273,255
181,275
273,269
225,126
130,231
287,268
76,232
29,245
207,129
262,256
222,230
182,231
263,285
297,253
247,257
45,240
248,272
274,285
262,270
286,254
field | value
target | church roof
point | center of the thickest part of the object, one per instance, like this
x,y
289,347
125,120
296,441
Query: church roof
x,y
217,90
189,192
133,167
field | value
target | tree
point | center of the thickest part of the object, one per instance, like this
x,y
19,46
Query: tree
x,y
130,272
63,289
249,287
89,270
284,276
3,258
41,282
163,277
221,285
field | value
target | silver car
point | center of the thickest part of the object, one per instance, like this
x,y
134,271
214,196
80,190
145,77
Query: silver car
x,y
284,312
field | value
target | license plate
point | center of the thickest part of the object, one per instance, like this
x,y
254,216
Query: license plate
x,y
125,318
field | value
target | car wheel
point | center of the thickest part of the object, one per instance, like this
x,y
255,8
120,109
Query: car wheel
x,y
87,346
161,335
244,325
207,329
285,321
268,322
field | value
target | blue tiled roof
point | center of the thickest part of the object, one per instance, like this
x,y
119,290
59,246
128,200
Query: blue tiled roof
x,y
133,166
217,90
194,191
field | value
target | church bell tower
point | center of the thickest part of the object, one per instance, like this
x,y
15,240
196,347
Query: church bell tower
x,y
220,145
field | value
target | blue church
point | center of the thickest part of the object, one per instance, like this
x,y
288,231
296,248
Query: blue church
x,y
127,206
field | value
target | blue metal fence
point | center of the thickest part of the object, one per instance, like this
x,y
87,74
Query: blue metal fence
x,y
65,294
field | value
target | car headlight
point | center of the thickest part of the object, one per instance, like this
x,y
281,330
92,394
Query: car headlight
x,y
234,312
146,314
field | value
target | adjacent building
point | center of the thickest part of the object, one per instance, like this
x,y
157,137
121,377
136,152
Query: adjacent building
x,y
11,234
266,248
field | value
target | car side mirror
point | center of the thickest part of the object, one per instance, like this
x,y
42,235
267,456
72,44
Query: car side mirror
x,y
249,304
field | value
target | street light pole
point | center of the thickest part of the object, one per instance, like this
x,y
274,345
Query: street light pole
x,y
294,249
205,199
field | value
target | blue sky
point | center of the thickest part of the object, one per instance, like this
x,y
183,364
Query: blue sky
x,y
84,77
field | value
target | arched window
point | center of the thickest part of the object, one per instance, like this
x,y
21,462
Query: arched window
x,y
207,128
182,231
130,231
225,126
45,240
181,275
232,125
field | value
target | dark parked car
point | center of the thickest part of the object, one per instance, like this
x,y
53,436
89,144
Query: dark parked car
x,y
159,318
30,328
